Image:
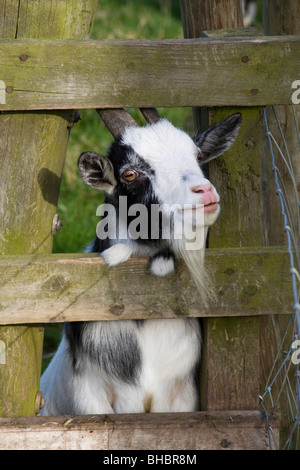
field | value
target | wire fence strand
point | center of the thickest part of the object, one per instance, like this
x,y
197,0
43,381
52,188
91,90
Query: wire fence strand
x,y
285,370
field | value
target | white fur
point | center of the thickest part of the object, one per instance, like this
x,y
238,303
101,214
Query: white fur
x,y
165,381
162,266
117,253
249,12
172,154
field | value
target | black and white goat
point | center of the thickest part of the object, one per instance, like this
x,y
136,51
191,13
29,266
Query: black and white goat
x,y
144,365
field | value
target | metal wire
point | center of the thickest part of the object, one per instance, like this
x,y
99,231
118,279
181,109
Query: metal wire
x,y
280,371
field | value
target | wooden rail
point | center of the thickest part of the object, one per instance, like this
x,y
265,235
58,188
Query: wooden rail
x,y
57,288
217,430
40,75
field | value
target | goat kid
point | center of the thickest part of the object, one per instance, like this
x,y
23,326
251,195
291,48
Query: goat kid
x,y
145,365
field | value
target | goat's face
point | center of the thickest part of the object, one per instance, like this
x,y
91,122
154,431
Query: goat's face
x,y
160,164
163,164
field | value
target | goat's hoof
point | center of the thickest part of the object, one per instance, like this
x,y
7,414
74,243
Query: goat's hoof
x,y
117,254
162,266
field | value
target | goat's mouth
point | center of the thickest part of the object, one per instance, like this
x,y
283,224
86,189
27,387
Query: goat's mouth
x,y
208,208
211,207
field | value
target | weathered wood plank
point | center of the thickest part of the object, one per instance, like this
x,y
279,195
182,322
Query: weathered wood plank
x,y
232,345
57,288
37,19
193,72
219,430
237,177
198,16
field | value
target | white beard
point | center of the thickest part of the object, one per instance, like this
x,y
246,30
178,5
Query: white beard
x,y
194,260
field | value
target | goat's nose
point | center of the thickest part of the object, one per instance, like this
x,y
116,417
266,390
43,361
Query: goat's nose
x,y
206,196
202,188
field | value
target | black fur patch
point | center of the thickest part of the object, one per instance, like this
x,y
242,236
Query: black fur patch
x,y
117,352
99,245
163,253
139,191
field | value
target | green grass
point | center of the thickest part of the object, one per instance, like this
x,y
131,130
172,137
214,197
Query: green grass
x,y
137,19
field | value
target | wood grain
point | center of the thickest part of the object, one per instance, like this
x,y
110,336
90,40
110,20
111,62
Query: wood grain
x,y
191,72
57,288
231,430
32,152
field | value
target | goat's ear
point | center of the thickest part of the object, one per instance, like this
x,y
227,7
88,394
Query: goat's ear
x,y
218,138
97,171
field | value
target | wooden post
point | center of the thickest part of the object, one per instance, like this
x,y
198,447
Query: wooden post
x,y
199,16
230,365
33,147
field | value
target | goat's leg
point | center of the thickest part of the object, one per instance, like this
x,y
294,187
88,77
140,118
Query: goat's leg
x,y
117,253
162,262
180,396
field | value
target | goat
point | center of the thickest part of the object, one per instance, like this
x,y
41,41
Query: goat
x,y
142,365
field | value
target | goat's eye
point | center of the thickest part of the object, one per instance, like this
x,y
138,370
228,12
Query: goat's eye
x,y
129,175
199,156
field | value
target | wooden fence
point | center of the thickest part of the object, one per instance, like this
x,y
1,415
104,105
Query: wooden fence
x,y
48,70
